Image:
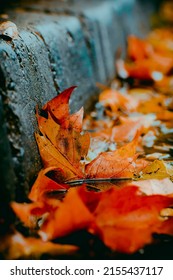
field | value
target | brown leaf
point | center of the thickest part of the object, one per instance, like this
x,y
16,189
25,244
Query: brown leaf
x,y
119,163
158,169
9,30
73,145
51,157
48,127
74,121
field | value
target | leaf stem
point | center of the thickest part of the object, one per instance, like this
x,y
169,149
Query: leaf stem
x,y
96,180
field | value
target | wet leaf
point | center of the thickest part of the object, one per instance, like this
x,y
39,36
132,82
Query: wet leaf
x,y
118,163
44,185
9,29
74,121
30,213
16,246
58,107
127,227
72,215
73,145
48,127
52,157
155,186
117,101
158,169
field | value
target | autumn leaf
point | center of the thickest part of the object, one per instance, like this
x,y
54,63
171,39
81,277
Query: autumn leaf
x,y
165,85
127,227
72,215
161,39
154,105
126,132
163,62
117,101
141,70
9,30
155,186
30,213
89,198
16,246
73,145
58,107
158,169
45,185
62,143
34,213
48,127
74,121
138,49
52,157
118,163
165,115
146,63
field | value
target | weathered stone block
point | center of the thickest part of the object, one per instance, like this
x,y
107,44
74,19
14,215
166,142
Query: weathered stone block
x,y
7,176
68,55
102,31
26,83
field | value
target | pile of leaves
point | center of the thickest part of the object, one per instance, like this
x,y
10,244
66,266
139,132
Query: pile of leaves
x,y
109,175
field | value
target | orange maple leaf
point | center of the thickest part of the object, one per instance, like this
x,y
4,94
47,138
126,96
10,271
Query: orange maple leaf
x,y
62,143
138,49
72,215
45,185
58,107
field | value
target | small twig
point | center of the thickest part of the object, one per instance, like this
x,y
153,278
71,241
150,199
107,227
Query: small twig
x,y
96,180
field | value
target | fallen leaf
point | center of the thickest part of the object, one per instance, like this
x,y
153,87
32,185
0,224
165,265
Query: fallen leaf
x,y
118,163
161,39
127,227
9,30
48,127
116,101
30,213
158,169
16,246
73,145
44,185
58,107
52,157
138,49
72,215
74,121
155,186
